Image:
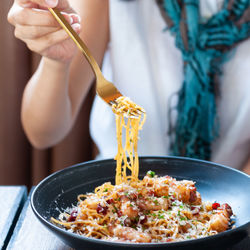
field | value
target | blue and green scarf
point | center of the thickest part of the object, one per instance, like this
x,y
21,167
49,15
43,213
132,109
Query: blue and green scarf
x,y
204,47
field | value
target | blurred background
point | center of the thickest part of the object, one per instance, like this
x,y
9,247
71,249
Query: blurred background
x,y
20,163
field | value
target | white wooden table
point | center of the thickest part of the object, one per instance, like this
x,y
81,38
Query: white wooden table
x,y
30,234
12,199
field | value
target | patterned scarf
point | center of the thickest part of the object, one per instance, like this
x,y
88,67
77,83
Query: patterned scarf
x,y
204,47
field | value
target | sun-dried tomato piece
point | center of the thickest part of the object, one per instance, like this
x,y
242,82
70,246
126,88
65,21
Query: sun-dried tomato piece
x,y
151,192
119,213
101,209
110,201
215,205
72,216
143,219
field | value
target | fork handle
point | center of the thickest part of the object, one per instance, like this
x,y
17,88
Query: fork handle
x,y
77,40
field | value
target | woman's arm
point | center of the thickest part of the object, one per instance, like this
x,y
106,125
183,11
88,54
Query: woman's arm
x,y
54,94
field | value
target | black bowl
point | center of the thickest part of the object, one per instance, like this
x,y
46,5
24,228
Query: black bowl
x,y
214,182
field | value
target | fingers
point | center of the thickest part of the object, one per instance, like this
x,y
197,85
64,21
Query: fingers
x,y
44,42
43,3
35,17
41,44
76,18
33,32
37,27
25,32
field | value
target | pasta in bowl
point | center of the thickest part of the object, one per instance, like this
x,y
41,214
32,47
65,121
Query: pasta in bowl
x,y
154,209
215,183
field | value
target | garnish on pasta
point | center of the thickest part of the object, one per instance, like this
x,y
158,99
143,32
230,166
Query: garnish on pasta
x,y
154,209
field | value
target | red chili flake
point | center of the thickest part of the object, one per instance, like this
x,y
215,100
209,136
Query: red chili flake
x,y
172,199
110,201
169,240
215,205
119,213
101,210
72,216
133,196
151,192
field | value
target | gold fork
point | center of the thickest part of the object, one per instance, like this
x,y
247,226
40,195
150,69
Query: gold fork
x,y
105,89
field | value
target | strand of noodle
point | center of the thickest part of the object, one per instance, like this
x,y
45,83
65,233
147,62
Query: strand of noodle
x,y
118,178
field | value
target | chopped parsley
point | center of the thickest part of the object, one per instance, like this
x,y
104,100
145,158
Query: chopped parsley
x,y
156,202
105,190
161,216
151,173
166,197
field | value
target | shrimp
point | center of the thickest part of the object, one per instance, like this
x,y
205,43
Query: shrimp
x,y
226,210
159,185
220,221
186,192
184,228
131,234
153,204
129,208
91,203
149,181
161,189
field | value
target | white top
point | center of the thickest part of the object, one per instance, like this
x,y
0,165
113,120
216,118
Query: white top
x,y
146,66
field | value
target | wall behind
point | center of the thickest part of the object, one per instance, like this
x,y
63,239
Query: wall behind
x,y
20,163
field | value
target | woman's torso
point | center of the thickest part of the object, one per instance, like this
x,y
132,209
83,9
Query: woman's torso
x,y
145,65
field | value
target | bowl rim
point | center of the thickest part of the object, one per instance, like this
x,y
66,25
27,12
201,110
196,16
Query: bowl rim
x,y
50,225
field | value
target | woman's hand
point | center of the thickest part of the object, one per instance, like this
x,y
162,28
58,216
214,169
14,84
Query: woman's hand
x,y
36,26
53,96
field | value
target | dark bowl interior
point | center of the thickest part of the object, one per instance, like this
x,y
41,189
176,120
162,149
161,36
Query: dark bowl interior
x,y
213,181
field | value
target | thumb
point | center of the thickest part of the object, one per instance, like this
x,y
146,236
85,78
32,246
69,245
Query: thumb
x,y
43,3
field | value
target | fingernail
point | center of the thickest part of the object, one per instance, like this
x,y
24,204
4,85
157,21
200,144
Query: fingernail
x,y
76,27
51,3
68,18
71,20
79,19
